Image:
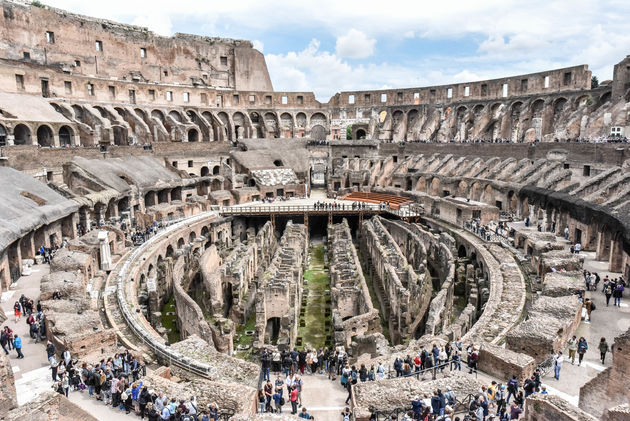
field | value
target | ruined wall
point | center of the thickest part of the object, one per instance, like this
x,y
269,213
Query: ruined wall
x,y
552,408
353,312
607,389
399,288
8,397
126,51
279,293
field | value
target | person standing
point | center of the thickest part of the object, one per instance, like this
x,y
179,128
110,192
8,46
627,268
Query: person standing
x,y
617,294
17,311
17,344
557,366
53,366
4,341
581,349
603,349
608,291
572,348
566,233
294,400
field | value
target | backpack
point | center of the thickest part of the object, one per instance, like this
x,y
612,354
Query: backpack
x,y
593,307
124,396
346,417
282,402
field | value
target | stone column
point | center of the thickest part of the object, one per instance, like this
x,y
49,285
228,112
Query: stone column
x,y
106,257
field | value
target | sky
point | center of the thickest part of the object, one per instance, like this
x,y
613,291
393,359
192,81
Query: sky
x,y
329,46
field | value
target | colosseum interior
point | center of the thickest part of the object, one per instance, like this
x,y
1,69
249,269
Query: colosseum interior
x,y
160,197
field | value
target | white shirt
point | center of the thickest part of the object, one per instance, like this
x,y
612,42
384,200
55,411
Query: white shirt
x,y
559,360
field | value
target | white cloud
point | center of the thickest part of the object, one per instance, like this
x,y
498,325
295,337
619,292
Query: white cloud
x,y
355,44
159,23
259,45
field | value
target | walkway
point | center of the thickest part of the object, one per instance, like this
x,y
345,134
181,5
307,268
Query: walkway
x,y
608,322
32,373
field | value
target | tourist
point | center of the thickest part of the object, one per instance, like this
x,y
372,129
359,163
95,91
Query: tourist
x,y
294,400
346,414
298,384
582,346
557,364
4,341
418,406
17,344
617,294
589,306
603,349
305,415
213,412
261,400
268,390
266,364
512,388
566,233
17,311
380,371
572,343
608,291
515,411
65,384
278,400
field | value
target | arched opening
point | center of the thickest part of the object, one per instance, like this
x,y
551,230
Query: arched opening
x,y
22,135
149,199
120,135
169,252
192,236
360,134
461,251
193,135
318,132
163,196
65,136
278,163
45,137
204,171
215,170
175,116
272,330
251,182
3,136
176,193
180,243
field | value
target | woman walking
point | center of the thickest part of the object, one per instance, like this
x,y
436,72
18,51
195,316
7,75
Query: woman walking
x,y
603,349
581,349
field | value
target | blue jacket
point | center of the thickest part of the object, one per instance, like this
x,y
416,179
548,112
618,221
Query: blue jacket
x,y
17,342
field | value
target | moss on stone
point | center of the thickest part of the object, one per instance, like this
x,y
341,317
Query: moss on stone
x,y
169,321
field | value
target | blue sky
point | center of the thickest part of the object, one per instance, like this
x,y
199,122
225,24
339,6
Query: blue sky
x,y
330,46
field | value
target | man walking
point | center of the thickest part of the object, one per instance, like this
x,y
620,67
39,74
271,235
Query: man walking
x,y
17,344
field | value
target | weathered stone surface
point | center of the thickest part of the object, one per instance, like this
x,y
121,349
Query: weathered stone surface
x,y
223,368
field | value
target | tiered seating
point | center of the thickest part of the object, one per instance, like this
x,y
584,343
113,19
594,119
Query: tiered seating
x,y
395,202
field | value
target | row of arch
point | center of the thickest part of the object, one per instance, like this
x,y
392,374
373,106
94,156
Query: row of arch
x,y
44,135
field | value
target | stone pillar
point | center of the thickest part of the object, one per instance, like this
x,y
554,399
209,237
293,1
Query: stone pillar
x,y
56,142
106,257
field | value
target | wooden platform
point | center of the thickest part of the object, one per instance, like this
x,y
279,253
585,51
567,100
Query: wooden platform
x,y
394,201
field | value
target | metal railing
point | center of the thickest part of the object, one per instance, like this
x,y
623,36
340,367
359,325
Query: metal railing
x,y
452,366
295,209
460,406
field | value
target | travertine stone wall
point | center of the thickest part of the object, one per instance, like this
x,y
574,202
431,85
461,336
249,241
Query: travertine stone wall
x,y
353,312
608,388
279,293
552,408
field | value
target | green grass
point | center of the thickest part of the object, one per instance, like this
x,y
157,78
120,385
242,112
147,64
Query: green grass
x,y
315,331
250,324
169,322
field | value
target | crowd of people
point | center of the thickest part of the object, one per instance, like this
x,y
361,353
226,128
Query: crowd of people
x,y
117,381
34,317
